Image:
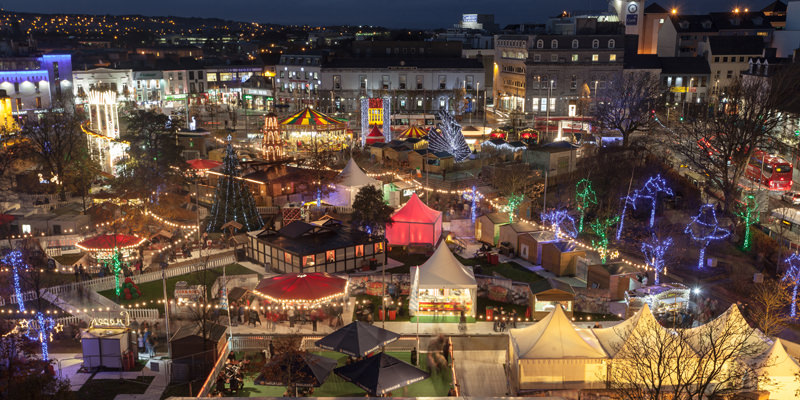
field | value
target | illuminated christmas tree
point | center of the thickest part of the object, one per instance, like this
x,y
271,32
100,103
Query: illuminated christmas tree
x,y
654,250
749,216
232,199
559,221
447,137
600,228
585,196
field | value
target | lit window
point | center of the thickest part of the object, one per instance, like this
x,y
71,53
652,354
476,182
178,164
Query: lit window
x,y
287,258
612,57
360,250
574,58
554,44
379,247
309,260
330,256
595,57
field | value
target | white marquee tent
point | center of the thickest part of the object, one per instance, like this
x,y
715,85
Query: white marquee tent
x,y
442,281
348,183
553,353
780,372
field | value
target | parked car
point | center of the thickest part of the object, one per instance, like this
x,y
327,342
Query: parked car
x,y
791,197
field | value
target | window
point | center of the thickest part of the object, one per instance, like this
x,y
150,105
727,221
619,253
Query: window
x,y
554,44
595,44
419,82
544,104
730,74
280,75
574,58
16,87
360,250
419,103
287,258
554,58
574,82
402,83
309,261
612,57
469,82
180,76
192,88
378,247
385,82
38,102
540,44
716,59
612,43
191,75
595,57
442,81
553,83
337,82
212,77
199,74
724,59
330,256
741,59
537,58
575,43
441,103
535,104
362,79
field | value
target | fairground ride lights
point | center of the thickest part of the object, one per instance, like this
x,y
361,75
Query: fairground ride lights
x,y
118,247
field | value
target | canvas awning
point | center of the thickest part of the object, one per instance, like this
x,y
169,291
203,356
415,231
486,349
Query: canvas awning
x,y
444,271
352,176
381,374
555,337
109,242
308,116
413,133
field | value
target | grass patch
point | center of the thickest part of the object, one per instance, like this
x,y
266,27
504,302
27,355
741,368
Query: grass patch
x,y
402,312
68,259
436,386
153,291
108,389
408,260
484,302
511,270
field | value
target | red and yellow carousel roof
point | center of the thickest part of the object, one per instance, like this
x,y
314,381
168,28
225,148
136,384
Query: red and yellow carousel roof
x,y
308,116
413,133
109,242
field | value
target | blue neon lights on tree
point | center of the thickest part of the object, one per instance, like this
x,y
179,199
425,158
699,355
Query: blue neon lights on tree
x,y
560,220
586,197
473,196
654,250
654,186
14,259
792,276
232,199
629,199
704,227
600,228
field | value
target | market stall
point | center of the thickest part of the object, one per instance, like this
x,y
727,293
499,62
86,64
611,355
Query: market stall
x,y
108,343
348,183
442,286
414,223
309,129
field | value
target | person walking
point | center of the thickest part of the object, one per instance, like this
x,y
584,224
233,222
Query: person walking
x,y
446,350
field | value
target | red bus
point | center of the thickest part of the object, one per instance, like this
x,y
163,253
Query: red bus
x,y
770,171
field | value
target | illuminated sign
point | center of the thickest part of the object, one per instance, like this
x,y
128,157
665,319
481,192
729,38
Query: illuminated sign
x,y
175,97
112,322
683,89
375,112
469,18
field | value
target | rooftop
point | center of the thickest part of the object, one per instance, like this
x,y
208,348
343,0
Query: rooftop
x,y
302,238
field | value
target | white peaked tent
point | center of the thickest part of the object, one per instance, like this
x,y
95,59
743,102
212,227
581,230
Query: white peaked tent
x,y
554,354
613,339
779,371
735,328
443,279
348,183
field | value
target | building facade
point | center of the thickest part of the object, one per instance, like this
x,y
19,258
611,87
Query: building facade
x,y
119,81
33,83
298,81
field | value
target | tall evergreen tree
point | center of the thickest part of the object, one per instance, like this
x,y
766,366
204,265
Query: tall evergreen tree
x,y
233,200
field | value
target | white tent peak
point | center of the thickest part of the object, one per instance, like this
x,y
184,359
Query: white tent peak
x,y
613,339
555,337
443,270
352,175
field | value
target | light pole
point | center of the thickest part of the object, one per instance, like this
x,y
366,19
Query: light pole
x,y
549,93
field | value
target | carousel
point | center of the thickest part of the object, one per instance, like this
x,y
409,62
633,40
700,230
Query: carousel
x,y
103,247
309,128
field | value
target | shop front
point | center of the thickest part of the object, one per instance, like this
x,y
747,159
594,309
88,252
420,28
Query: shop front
x,y
442,287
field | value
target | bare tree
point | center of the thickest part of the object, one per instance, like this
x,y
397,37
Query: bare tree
x,y
628,104
517,183
720,144
769,302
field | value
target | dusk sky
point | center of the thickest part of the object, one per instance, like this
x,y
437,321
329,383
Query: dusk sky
x,y
392,13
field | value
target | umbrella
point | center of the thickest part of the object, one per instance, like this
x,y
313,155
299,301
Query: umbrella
x,y
380,374
357,339
299,369
301,288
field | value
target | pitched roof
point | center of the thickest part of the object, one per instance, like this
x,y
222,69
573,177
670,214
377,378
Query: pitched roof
x,y
775,6
498,218
613,339
416,211
642,61
544,285
520,227
555,337
721,45
655,9
353,176
444,271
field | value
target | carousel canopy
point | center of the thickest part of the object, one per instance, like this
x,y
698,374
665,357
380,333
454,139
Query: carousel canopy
x,y
413,133
109,242
444,271
201,164
357,339
353,176
309,116
301,288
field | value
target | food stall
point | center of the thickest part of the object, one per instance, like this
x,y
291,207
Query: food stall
x,y
442,286
108,343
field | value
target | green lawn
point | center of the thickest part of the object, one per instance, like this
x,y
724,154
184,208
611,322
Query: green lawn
x,y
437,385
108,389
153,291
511,270
484,302
68,259
408,260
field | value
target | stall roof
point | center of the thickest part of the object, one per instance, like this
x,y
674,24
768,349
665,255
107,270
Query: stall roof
x,y
498,218
416,211
444,271
555,337
613,339
353,176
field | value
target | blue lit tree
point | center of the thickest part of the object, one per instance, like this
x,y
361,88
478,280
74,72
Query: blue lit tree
x,y
704,227
652,188
560,220
629,199
654,251
15,261
232,199
586,197
473,196
792,276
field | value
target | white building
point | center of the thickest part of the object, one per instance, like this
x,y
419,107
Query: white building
x,y
33,83
119,81
298,81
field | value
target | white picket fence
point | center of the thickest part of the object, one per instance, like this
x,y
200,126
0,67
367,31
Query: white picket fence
x,y
107,283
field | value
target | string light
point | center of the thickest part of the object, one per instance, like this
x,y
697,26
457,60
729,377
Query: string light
x,y
600,228
654,186
14,259
704,227
654,252
750,217
585,196
560,220
793,275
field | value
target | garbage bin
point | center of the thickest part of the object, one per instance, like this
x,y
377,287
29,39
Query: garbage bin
x,y
489,312
392,315
493,258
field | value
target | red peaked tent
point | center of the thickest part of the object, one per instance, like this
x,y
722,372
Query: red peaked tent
x,y
310,288
375,136
200,164
415,223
